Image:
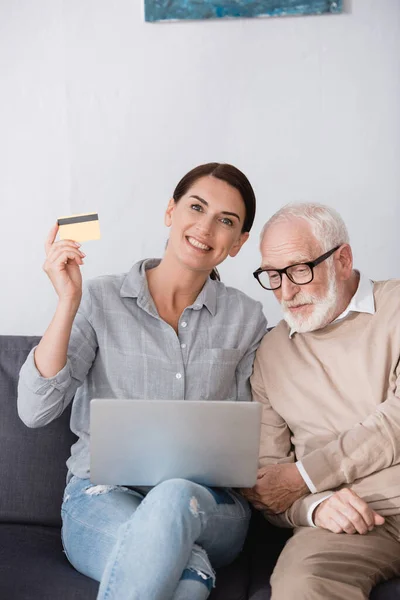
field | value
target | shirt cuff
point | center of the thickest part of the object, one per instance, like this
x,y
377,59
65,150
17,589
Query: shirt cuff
x,y
37,383
306,478
312,508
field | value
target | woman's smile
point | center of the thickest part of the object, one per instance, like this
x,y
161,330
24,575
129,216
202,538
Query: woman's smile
x,y
195,243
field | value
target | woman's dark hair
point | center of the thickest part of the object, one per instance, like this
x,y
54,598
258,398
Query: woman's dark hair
x,y
230,175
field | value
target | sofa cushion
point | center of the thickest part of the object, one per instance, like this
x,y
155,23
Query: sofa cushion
x,y
33,565
232,582
390,590
267,542
37,553
32,461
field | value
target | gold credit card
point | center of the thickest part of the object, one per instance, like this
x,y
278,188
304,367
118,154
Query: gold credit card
x,y
79,228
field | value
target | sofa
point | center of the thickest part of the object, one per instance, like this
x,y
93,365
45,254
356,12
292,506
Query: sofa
x,y
32,479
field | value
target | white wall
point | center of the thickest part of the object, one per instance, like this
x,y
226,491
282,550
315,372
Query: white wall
x,y
100,111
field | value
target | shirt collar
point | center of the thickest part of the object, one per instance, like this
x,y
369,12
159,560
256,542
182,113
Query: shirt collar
x,y
362,301
135,286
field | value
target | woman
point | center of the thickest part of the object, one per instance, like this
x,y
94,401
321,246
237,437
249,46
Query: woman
x,y
164,330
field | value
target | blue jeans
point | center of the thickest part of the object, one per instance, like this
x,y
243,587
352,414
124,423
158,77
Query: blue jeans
x,y
160,546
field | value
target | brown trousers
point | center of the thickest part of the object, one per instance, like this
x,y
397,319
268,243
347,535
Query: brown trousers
x,y
316,564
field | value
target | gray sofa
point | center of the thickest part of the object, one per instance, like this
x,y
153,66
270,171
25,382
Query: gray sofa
x,y
32,477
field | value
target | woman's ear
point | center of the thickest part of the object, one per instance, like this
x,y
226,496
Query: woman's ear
x,y
168,212
237,245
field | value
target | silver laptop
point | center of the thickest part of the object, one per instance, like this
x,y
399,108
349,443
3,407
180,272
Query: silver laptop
x,y
144,442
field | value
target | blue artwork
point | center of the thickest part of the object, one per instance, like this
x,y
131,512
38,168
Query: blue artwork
x,y
165,10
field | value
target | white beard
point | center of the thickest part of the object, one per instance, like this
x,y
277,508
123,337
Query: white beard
x,y
320,316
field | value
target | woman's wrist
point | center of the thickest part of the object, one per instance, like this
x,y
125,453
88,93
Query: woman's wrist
x,y
68,307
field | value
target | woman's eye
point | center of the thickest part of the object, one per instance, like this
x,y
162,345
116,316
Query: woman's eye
x,y
197,207
227,221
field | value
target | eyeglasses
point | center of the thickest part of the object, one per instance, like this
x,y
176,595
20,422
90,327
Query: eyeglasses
x,y
299,274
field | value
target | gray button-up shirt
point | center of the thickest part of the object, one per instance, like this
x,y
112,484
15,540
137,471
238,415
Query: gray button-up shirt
x,y
121,348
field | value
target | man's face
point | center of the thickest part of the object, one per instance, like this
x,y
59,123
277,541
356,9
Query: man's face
x,y
305,307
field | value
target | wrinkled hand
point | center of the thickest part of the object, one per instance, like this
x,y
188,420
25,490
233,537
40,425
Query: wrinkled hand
x,y
277,487
345,512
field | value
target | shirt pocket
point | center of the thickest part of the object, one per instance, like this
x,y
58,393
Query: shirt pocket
x,y
215,377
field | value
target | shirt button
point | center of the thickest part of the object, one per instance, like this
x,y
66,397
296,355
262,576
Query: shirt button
x,y
183,345
183,323
178,375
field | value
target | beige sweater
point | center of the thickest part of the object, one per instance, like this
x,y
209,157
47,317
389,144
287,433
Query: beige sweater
x,y
332,400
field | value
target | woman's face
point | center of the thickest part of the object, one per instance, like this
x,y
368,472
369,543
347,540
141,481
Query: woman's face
x,y
206,224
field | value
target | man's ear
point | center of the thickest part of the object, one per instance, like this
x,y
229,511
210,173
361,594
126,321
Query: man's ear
x,y
237,245
168,212
344,263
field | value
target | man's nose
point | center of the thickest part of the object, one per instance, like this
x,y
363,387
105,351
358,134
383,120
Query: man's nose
x,y
289,289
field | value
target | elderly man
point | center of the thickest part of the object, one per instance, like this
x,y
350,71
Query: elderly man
x,y
328,377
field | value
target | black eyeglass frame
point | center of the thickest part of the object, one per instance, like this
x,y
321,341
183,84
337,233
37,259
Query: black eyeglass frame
x,y
311,264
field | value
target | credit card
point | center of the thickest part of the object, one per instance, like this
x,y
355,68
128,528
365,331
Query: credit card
x,y
79,228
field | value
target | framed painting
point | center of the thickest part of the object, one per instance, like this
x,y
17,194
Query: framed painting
x,y
172,10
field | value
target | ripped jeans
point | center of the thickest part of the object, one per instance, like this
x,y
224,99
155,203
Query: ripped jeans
x,y
160,546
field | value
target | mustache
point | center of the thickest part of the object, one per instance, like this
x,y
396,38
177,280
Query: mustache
x,y
300,298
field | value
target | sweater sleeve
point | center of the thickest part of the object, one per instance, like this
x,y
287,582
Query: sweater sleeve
x,y
368,447
43,399
245,366
275,448
300,513
275,442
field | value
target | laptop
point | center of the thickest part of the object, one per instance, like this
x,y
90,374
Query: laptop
x,y
145,442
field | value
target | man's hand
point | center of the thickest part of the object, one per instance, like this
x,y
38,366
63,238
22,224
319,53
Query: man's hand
x,y
345,512
277,487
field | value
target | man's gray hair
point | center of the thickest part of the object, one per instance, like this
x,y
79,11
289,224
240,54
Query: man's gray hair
x,y
326,224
